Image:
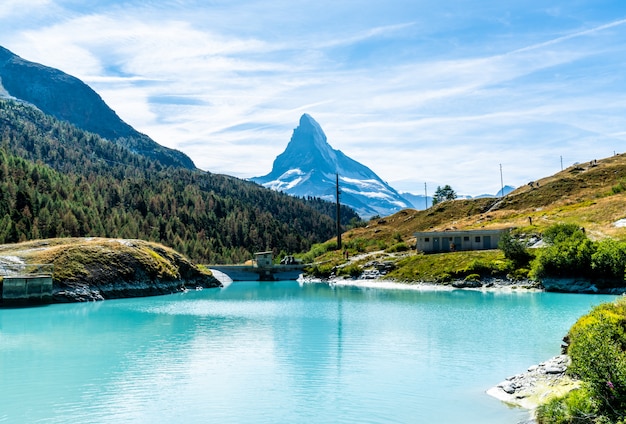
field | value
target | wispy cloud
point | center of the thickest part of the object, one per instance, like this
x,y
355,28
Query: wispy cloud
x,y
418,92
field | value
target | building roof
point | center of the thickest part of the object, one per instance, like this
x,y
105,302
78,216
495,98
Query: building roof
x,y
452,233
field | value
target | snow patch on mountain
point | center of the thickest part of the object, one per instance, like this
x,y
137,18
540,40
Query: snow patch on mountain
x,y
309,167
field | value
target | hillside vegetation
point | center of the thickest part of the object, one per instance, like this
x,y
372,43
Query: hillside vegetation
x,y
59,181
597,348
589,197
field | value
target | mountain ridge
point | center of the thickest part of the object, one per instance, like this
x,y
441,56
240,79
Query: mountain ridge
x,y
69,99
57,180
309,166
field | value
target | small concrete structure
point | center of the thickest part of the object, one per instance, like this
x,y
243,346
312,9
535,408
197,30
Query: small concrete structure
x,y
24,284
264,259
261,269
25,289
450,241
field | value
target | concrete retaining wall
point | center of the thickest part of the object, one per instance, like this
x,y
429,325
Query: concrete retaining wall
x,y
26,289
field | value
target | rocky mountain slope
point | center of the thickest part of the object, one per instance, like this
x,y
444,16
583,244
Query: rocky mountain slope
x,y
309,166
69,99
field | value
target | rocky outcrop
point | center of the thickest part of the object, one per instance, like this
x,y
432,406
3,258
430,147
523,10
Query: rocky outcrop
x,y
83,292
88,269
578,285
537,385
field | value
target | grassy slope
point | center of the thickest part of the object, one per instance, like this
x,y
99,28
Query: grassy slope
x,y
100,262
590,196
580,194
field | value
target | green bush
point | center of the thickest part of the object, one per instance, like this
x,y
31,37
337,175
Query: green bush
x,y
443,278
472,277
398,247
318,250
320,270
351,270
514,250
577,406
619,187
599,359
560,232
609,259
519,274
568,255
597,347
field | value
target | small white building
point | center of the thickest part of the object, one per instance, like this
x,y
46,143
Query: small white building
x,y
450,241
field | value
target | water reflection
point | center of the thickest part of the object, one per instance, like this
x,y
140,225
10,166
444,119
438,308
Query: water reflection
x,y
278,352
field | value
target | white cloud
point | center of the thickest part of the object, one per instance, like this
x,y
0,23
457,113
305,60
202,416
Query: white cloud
x,y
13,9
212,81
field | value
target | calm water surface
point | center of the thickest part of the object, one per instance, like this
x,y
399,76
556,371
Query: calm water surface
x,y
278,353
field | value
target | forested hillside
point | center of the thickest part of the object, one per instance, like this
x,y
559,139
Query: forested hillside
x,y
59,181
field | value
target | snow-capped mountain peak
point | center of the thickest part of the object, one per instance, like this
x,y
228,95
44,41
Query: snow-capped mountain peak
x,y
309,166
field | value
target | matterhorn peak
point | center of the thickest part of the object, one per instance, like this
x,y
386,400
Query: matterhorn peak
x,y
309,136
309,166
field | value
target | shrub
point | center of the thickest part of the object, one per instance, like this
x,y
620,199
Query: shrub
x,y
398,247
351,270
568,255
320,270
519,274
609,259
560,232
619,187
514,250
443,278
472,277
578,406
597,347
318,250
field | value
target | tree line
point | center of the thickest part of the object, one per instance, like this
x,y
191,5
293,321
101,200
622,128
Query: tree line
x,y
59,181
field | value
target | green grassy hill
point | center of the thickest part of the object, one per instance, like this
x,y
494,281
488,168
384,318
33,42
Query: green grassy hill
x,y
591,196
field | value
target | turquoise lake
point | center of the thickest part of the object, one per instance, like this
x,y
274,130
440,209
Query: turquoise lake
x,y
279,352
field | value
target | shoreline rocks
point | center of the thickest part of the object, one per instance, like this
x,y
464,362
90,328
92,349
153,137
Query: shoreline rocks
x,y
575,285
538,384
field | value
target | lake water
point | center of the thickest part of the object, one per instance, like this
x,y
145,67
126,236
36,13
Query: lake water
x,y
279,352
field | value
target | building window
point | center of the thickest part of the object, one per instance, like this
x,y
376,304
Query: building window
x,y
477,239
466,238
427,240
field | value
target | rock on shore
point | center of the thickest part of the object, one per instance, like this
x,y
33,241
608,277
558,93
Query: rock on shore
x,y
87,269
535,386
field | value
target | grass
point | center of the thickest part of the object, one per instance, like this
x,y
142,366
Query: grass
x,y
104,260
590,196
444,267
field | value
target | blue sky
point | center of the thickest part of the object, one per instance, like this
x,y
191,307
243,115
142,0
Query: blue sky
x,y
437,92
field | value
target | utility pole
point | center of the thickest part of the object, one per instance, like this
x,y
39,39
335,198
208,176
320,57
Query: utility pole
x,y
426,195
338,215
561,163
501,182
